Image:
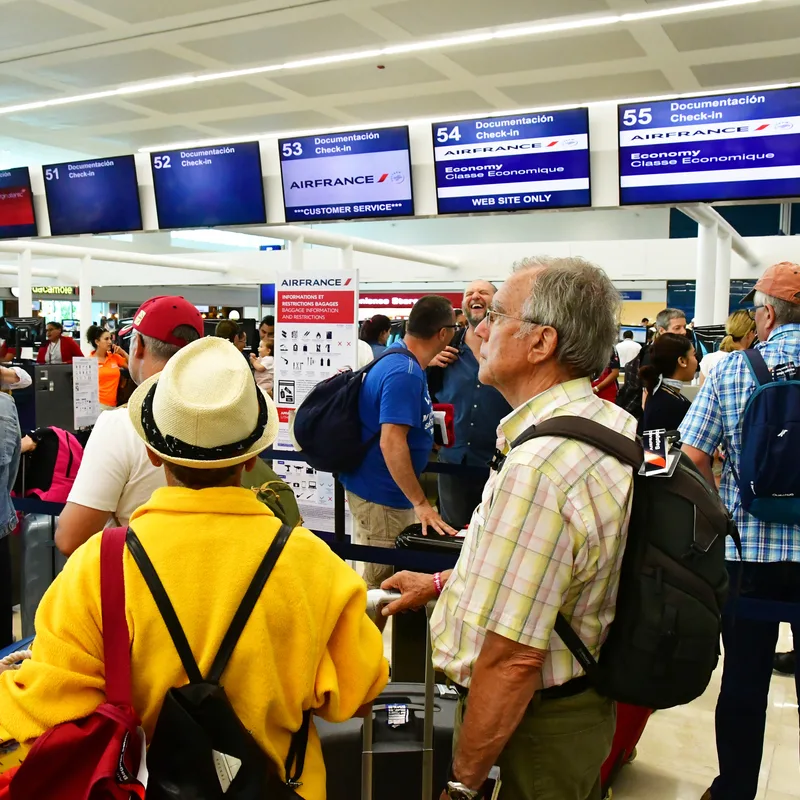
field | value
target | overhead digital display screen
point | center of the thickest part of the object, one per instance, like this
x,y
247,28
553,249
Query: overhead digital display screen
x,y
207,186
511,163
701,149
347,175
99,196
16,204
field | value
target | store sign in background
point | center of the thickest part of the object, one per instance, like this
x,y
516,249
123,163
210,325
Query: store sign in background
x,y
16,204
315,337
718,147
511,163
347,175
100,196
207,186
399,300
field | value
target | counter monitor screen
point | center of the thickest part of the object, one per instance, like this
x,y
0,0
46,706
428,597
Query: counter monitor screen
x,y
347,175
16,204
207,186
512,163
93,197
714,148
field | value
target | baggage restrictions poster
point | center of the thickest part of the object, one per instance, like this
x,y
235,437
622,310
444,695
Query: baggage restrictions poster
x,y
316,330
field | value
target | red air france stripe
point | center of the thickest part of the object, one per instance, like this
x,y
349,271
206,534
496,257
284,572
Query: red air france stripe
x,y
762,127
383,177
552,143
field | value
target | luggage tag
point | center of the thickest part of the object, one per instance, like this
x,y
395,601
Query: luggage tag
x,y
397,714
660,459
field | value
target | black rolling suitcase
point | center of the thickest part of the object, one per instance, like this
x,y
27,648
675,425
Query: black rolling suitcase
x,y
411,538
40,563
403,750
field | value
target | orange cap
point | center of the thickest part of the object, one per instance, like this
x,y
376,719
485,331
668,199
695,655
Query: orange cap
x,y
781,281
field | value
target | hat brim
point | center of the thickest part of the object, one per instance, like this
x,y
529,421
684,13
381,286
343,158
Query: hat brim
x,y
748,298
267,438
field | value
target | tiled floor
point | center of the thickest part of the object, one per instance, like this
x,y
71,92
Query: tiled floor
x,y
677,757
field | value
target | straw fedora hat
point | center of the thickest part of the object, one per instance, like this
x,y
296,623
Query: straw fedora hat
x,y
204,409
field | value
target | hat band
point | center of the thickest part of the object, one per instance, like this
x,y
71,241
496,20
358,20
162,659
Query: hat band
x,y
177,448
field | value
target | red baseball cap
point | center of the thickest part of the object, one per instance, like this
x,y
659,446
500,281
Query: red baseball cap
x,y
159,316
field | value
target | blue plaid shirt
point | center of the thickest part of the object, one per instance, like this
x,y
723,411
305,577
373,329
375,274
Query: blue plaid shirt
x,y
716,418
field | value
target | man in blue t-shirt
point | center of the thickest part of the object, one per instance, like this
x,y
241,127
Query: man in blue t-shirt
x,y
384,493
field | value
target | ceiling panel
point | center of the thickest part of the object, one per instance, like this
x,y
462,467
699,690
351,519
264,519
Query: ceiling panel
x,y
202,98
271,45
27,22
430,17
156,136
366,76
275,123
119,68
15,90
602,87
439,105
767,25
80,114
757,70
146,10
549,53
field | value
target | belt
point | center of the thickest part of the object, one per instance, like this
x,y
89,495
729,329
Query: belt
x,y
568,689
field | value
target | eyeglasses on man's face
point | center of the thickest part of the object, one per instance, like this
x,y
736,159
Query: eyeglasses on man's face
x,y
492,317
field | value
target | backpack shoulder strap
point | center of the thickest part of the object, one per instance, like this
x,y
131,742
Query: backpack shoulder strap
x,y
116,638
385,354
165,607
626,450
248,604
758,367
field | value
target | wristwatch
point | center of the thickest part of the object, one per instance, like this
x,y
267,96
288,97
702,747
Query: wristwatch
x,y
457,791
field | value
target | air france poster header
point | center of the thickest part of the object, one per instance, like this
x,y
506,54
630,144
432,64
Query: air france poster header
x,y
720,147
512,163
347,175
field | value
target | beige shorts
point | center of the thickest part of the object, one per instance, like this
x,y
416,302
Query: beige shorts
x,y
377,526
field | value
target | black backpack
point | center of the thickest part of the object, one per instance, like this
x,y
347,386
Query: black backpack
x,y
663,644
200,749
327,425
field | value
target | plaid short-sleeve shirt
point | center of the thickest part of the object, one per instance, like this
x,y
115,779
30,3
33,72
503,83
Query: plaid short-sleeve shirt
x,y
715,418
547,537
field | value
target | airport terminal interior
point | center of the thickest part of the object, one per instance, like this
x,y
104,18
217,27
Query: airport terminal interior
x,y
310,165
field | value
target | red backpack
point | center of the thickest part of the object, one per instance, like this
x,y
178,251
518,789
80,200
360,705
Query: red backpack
x,y
97,757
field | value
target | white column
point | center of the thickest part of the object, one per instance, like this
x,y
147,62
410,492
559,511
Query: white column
x,y
705,275
296,248
346,257
722,287
25,295
85,301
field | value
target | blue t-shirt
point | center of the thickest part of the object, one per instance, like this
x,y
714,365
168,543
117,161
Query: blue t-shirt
x,y
395,391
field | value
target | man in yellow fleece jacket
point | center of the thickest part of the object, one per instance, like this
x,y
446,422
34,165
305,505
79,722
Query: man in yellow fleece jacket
x,y
308,643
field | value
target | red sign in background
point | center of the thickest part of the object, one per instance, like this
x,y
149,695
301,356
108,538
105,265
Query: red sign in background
x,y
391,299
318,306
16,206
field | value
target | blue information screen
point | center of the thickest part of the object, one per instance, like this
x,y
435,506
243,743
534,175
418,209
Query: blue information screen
x,y
16,204
720,147
510,163
99,196
347,175
207,186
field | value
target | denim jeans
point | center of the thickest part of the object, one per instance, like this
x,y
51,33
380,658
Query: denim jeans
x,y
749,652
458,497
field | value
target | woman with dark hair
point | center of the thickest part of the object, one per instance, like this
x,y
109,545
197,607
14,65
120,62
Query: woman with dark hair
x,y
110,360
672,362
59,349
375,332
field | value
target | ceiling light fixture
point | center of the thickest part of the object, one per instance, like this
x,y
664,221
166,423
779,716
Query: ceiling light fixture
x,y
443,43
183,145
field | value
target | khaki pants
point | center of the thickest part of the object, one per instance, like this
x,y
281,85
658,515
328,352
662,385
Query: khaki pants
x,y
557,750
377,526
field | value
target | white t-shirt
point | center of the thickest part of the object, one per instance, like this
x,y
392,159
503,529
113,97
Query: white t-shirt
x,y
627,350
710,360
115,474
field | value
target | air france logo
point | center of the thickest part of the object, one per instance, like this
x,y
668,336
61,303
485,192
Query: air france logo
x,y
348,180
682,134
784,125
295,283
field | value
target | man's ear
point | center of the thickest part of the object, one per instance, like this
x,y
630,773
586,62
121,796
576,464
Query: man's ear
x,y
155,458
543,342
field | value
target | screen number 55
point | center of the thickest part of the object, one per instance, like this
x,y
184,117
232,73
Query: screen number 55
x,y
633,116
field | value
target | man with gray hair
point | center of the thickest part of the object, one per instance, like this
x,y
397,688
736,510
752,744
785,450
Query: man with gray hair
x,y
116,476
769,568
548,536
671,320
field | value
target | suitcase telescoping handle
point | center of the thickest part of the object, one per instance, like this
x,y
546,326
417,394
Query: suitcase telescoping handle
x,y
377,599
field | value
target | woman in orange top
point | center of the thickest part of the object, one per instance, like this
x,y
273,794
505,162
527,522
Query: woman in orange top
x,y
110,360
